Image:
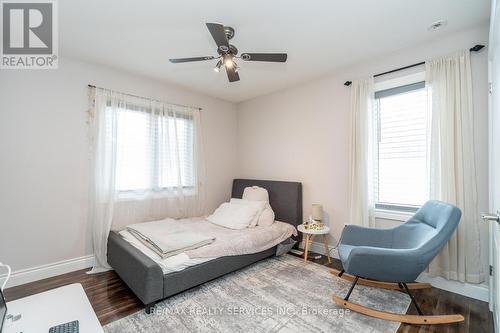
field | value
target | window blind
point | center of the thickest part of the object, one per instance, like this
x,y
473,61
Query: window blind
x,y
154,151
401,172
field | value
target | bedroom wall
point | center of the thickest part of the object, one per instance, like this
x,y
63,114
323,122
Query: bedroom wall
x,y
301,133
44,156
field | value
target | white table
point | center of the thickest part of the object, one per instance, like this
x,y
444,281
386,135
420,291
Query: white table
x,y
57,306
308,237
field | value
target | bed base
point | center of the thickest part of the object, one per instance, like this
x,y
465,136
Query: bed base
x,y
419,319
148,308
146,279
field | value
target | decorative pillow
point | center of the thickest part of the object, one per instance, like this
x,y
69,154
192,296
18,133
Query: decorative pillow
x,y
255,193
234,216
266,217
259,205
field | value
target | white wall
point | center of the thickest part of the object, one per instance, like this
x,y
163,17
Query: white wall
x,y
301,134
44,156
298,134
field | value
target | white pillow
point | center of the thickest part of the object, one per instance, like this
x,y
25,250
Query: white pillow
x,y
255,193
259,205
266,217
234,216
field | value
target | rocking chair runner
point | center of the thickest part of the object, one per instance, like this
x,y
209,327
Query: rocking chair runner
x,y
393,258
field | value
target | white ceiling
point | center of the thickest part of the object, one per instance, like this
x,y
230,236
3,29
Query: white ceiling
x,y
318,35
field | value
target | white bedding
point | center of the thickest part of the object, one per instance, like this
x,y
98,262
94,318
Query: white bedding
x,y
168,239
227,242
168,265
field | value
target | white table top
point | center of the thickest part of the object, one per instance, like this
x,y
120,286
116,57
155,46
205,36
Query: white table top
x,y
325,230
57,306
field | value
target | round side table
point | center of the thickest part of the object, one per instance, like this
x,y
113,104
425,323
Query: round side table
x,y
308,237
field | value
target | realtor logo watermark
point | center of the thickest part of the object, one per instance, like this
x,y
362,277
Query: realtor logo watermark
x,y
29,34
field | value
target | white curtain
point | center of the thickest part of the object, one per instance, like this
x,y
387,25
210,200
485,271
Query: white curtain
x,y
453,172
147,164
361,201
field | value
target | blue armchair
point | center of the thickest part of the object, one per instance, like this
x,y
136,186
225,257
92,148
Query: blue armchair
x,y
393,258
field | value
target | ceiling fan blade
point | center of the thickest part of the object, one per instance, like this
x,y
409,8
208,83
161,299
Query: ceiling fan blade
x,y
218,34
273,57
179,60
232,75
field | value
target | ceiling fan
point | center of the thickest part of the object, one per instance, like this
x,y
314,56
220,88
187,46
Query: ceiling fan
x,y
228,52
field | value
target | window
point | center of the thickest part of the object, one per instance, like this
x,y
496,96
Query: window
x,y
401,157
153,152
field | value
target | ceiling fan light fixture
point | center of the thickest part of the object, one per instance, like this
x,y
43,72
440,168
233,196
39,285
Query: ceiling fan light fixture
x,y
218,66
228,61
228,53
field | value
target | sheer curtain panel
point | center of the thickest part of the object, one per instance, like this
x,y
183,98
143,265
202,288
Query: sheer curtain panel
x,y
147,164
361,203
453,171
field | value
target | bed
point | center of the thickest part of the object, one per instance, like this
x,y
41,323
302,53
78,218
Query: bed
x,y
147,280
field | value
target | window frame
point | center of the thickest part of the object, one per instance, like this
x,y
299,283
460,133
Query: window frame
x,y
132,193
388,88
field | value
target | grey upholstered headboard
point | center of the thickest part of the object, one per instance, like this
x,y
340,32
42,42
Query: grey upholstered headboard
x,y
284,197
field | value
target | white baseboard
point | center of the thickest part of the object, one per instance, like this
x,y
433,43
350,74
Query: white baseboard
x,y
32,274
23,276
320,248
476,291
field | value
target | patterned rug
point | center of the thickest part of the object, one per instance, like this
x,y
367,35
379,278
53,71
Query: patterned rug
x,y
280,294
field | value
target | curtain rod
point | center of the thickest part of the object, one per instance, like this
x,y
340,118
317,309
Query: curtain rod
x,y
151,99
476,48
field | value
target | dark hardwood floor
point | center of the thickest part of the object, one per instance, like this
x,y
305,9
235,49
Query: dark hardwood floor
x,y
112,300
437,301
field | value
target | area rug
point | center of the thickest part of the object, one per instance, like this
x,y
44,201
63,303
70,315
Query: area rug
x,y
279,294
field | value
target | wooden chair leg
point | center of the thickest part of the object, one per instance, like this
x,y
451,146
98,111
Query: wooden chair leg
x,y
402,318
380,284
419,319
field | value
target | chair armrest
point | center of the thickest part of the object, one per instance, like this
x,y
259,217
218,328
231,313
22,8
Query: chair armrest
x,y
394,265
361,236
138,271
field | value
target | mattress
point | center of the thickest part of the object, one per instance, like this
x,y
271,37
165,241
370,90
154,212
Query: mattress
x,y
171,264
228,242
